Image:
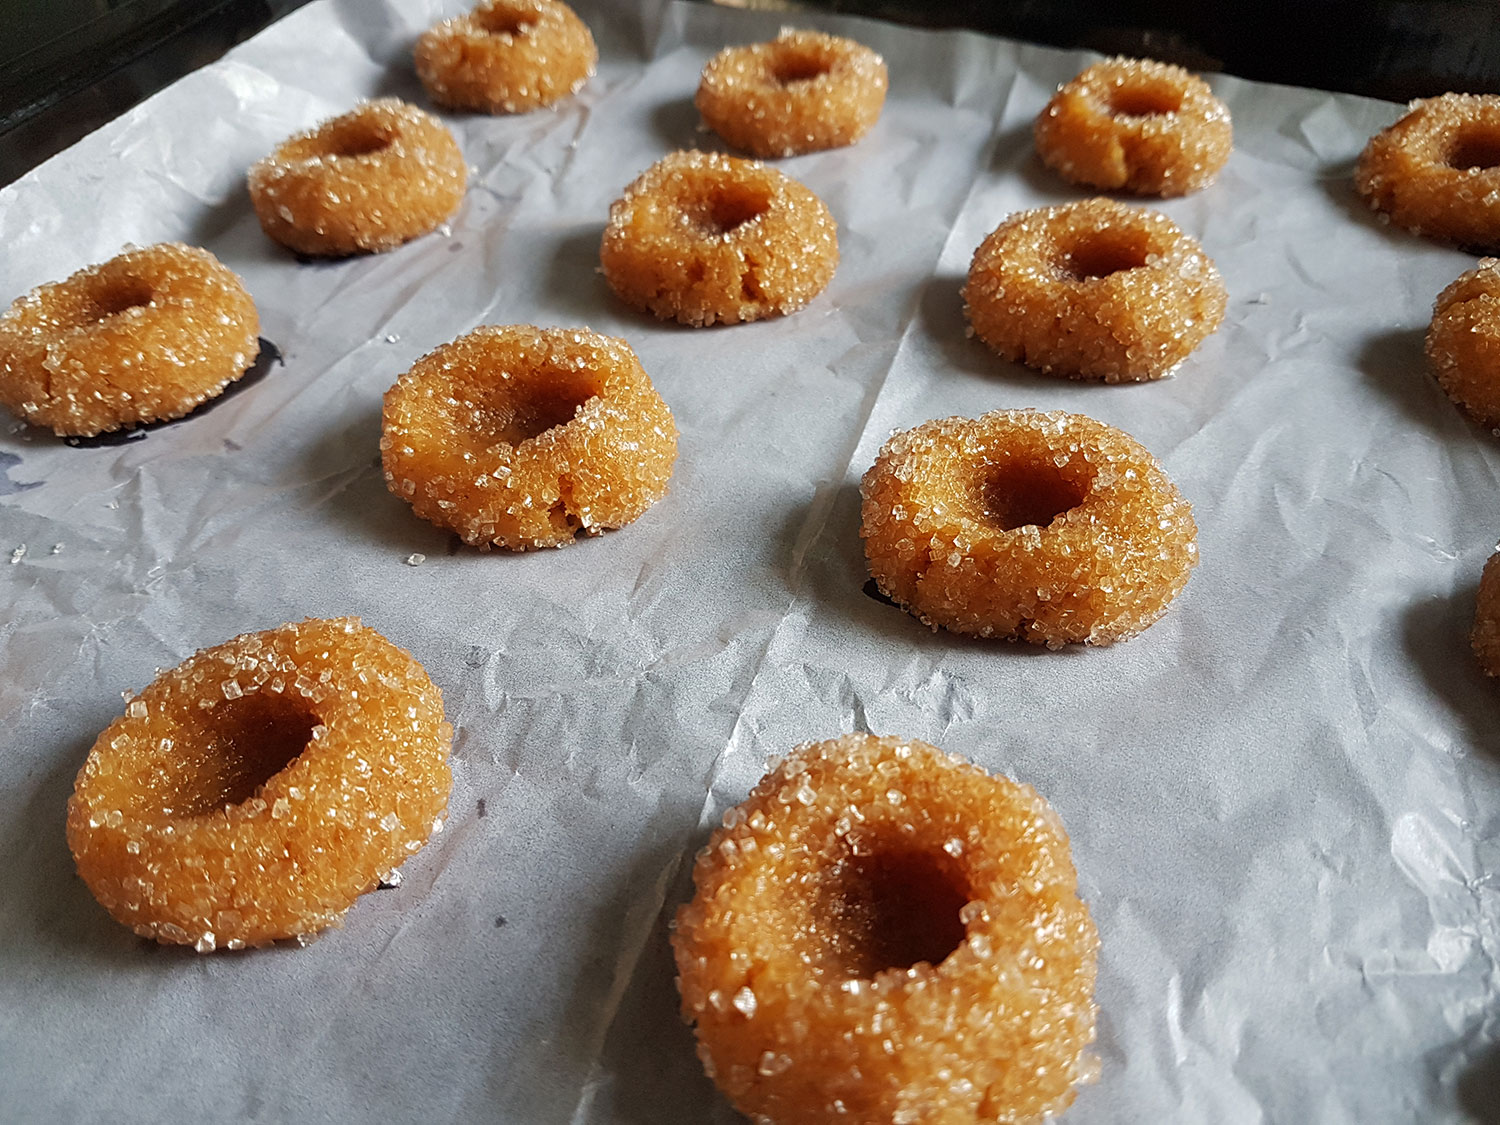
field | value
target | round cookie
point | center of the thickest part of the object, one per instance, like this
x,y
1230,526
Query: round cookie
x,y
1463,343
884,932
801,92
1093,290
1133,125
369,180
522,437
253,792
1436,171
1050,528
506,56
148,335
709,239
1486,636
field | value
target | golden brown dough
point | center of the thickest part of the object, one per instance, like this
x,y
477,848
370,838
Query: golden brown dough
x,y
148,335
1134,125
254,791
523,437
1436,171
709,239
801,92
506,56
1044,527
369,180
1463,343
1486,636
883,932
1093,290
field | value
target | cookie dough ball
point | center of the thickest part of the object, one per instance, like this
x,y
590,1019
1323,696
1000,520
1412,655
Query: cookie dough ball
x,y
1436,171
375,177
1463,343
150,334
801,92
253,792
883,932
1487,618
506,56
523,437
1138,126
1043,527
709,239
1093,290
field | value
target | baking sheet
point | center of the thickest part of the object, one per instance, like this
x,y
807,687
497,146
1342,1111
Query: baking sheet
x,y
1282,798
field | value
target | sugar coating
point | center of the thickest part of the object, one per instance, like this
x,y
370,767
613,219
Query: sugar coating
x,y
708,239
885,933
148,335
801,92
375,177
1436,171
1134,125
523,437
254,791
1044,527
1093,290
506,56
1463,343
1486,636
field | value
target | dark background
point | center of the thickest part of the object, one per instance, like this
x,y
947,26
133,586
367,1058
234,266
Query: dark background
x,y
68,66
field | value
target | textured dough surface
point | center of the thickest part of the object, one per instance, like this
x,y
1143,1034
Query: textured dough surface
x,y
804,91
709,239
885,933
1436,171
524,437
506,56
1463,343
369,180
1487,618
254,791
1134,125
148,335
1045,527
1093,290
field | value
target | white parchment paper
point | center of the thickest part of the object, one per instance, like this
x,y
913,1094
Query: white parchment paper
x,y
1284,798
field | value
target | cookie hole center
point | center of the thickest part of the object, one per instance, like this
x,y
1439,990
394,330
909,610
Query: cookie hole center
x,y
1103,253
499,20
894,907
1027,494
526,407
359,138
237,747
791,67
1475,148
127,293
1144,100
729,205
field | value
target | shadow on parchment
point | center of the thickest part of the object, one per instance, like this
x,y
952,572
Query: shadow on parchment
x,y
42,889
269,357
572,282
651,1069
1337,182
678,126
399,80
1479,1088
1395,363
345,462
1435,634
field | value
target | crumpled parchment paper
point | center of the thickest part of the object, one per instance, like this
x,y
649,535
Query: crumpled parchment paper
x,y
1282,798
